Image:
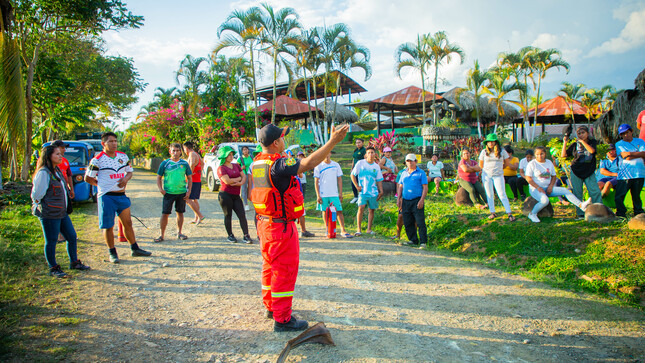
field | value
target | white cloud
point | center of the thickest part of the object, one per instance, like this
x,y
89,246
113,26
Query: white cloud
x,y
153,51
631,37
569,44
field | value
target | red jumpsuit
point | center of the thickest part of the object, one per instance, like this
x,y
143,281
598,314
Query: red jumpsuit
x,y
277,212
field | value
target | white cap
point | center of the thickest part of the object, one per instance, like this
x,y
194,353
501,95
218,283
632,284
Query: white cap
x,y
410,157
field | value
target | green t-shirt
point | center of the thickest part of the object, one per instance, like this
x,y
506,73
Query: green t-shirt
x,y
246,160
174,175
359,154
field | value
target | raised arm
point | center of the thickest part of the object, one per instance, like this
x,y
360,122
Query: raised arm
x,y
310,162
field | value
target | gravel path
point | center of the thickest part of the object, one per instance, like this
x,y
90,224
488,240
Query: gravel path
x,y
199,300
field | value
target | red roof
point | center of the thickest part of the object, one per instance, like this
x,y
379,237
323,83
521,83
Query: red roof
x,y
287,107
407,99
558,106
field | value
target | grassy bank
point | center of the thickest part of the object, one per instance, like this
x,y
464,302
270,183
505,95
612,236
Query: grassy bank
x,y
608,260
32,304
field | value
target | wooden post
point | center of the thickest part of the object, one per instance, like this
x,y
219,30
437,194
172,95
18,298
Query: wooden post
x,y
378,120
392,119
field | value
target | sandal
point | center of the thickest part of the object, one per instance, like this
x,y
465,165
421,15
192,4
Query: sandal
x,y
511,218
158,239
357,234
182,236
200,221
492,216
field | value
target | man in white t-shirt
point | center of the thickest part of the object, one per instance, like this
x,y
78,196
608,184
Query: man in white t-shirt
x,y
329,190
435,171
110,171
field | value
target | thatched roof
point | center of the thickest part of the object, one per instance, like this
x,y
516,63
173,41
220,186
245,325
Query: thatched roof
x,y
465,101
343,114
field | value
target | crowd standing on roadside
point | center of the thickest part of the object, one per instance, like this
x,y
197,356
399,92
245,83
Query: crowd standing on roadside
x,y
275,184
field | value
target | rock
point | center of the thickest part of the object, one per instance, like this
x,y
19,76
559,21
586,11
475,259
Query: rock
x,y
637,222
526,341
165,264
598,212
151,344
462,198
530,202
389,188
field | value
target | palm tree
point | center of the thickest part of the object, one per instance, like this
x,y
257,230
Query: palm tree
x,y
12,100
163,97
193,79
243,32
441,50
476,82
499,88
522,69
592,101
415,56
572,94
609,94
349,55
307,58
542,61
279,33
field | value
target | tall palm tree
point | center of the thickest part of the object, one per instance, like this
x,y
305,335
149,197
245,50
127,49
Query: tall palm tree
x,y
609,94
349,55
592,101
572,94
12,100
307,58
500,88
476,82
163,97
441,51
522,69
243,32
193,79
280,35
415,56
543,61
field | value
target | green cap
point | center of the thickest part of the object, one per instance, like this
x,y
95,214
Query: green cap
x,y
491,137
222,152
258,149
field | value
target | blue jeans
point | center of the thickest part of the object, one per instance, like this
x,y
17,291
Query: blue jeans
x,y
51,228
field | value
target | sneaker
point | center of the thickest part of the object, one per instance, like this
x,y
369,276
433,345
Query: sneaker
x,y
114,258
354,200
232,238
269,314
307,234
78,265
585,204
534,218
57,272
412,244
292,325
248,239
140,253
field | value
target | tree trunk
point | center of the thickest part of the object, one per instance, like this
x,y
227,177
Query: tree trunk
x,y
479,124
304,73
423,90
537,100
255,94
325,108
275,77
1,181
317,118
434,94
29,106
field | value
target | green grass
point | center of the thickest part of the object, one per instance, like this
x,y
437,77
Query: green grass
x,y
27,292
604,259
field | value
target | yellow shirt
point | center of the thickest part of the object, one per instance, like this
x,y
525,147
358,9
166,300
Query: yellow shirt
x,y
508,171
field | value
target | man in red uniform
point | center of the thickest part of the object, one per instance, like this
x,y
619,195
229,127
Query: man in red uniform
x,y
278,203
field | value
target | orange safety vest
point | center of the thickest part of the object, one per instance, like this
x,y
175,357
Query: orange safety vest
x,y
267,200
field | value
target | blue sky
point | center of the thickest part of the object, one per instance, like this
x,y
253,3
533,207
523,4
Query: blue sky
x,y
604,41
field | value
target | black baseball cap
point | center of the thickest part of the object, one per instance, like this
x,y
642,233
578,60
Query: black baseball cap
x,y
60,143
270,133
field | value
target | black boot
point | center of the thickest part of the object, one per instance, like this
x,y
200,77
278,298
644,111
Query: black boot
x,y
291,325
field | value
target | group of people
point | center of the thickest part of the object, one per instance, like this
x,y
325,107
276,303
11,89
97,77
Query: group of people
x,y
272,181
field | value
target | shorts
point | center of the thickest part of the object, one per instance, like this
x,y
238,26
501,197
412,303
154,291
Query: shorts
x,y
177,199
371,202
110,206
325,203
195,190
611,179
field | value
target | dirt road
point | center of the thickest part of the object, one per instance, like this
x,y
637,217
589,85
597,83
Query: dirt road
x,y
199,300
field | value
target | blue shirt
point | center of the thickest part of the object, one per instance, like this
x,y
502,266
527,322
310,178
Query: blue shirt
x,y
611,166
412,183
368,175
635,168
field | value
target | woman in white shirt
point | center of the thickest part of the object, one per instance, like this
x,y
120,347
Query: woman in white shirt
x,y
492,161
540,174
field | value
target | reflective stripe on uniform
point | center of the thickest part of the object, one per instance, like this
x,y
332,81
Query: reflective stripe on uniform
x,y
282,294
264,287
260,205
298,208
